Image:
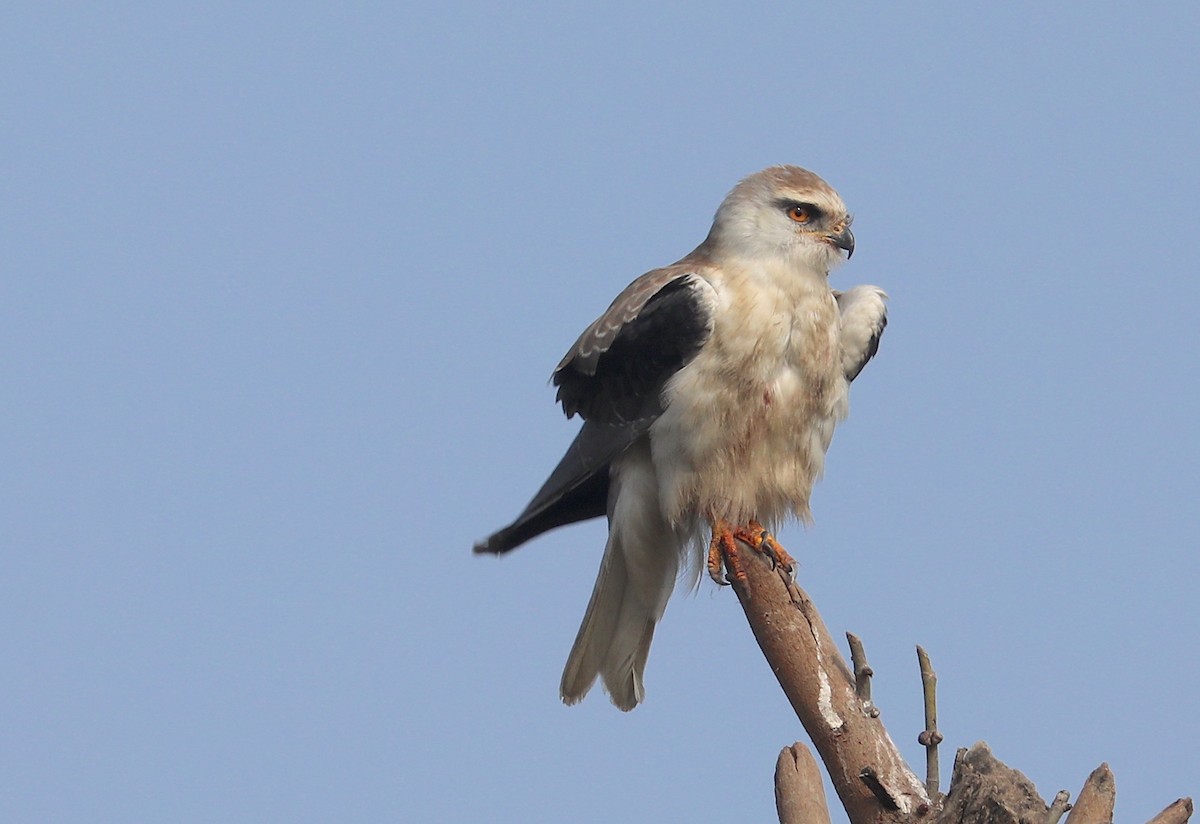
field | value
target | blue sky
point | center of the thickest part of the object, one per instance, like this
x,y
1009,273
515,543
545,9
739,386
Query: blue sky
x,y
283,285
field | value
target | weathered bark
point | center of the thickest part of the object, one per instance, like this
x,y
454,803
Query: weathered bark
x,y
983,790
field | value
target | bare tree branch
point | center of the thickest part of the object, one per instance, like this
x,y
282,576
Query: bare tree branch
x,y
871,779
799,791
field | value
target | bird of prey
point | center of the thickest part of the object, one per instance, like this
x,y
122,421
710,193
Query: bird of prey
x,y
709,392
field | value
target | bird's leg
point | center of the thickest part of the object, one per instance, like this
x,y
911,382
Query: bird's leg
x,y
723,552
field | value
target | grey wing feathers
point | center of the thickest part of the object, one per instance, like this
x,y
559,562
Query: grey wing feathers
x,y
863,312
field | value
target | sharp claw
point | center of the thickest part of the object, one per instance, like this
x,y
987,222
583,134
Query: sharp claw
x,y
768,545
716,557
715,565
778,555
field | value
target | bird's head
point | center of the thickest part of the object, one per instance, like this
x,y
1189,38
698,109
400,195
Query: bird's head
x,y
784,211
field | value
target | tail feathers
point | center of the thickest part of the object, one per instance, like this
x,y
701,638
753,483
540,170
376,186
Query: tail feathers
x,y
618,627
625,666
599,622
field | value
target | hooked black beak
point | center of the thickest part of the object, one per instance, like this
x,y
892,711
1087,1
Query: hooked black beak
x,y
843,240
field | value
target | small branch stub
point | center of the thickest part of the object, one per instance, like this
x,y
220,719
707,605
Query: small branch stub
x,y
799,791
862,674
869,777
1059,807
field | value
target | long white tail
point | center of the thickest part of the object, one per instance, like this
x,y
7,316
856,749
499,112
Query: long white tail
x,y
636,577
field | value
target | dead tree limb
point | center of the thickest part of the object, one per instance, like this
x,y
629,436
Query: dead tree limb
x,y
871,779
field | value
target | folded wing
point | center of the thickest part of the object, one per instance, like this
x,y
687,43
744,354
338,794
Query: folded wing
x,y
613,378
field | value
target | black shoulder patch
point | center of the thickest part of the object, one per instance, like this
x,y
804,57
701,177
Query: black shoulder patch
x,y
629,375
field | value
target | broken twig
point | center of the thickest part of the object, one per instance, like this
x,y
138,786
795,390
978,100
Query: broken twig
x,y
1059,807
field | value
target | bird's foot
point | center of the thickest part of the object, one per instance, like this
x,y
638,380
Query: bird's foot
x,y
757,536
723,555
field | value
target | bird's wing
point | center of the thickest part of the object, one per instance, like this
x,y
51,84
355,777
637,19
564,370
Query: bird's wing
x,y
576,490
616,370
863,312
613,377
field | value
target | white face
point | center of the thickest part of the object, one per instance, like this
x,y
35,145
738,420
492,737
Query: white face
x,y
765,216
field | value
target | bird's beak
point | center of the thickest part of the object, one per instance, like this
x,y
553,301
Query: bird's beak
x,y
843,239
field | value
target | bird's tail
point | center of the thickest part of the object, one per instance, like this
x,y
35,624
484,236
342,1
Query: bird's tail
x,y
636,577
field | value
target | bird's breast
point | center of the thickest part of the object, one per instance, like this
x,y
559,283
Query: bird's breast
x,y
749,419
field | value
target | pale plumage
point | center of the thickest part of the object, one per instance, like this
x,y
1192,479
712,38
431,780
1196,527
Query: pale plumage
x,y
710,390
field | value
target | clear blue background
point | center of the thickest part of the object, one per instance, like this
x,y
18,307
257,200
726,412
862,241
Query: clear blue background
x,y
282,286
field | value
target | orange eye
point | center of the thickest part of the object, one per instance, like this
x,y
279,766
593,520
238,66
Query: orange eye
x,y
799,213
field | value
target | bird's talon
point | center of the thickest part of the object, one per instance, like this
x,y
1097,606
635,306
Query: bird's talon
x,y
778,555
716,562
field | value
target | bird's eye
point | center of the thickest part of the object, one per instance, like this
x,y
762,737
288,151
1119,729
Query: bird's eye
x,y
800,213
